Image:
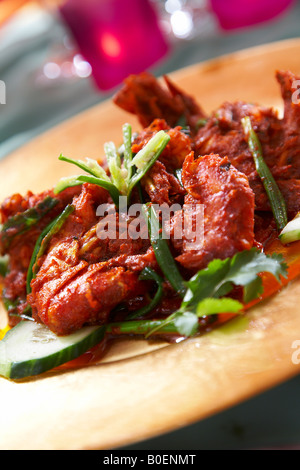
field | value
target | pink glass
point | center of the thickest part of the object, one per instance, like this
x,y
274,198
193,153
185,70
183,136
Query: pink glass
x,y
233,14
117,37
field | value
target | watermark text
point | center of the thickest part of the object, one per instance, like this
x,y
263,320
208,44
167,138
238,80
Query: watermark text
x,y
176,222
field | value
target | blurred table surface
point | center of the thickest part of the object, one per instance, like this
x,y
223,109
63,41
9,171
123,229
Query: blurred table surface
x,y
29,40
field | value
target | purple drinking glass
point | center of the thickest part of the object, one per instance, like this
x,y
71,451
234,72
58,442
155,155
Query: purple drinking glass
x,y
117,37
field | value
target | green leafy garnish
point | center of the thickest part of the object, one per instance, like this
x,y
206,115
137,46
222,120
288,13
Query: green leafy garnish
x,y
97,176
206,294
162,251
127,151
118,175
291,232
207,290
125,170
276,199
149,274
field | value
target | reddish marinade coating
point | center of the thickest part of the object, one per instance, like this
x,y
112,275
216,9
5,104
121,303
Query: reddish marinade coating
x,y
280,139
228,218
76,285
82,277
80,295
145,97
13,285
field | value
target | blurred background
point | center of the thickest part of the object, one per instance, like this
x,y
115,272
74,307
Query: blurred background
x,y
58,58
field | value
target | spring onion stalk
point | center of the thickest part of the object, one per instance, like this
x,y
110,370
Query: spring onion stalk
x,y
43,242
146,157
201,123
90,166
125,173
12,307
149,275
98,177
291,232
276,199
127,158
162,251
141,327
114,165
67,182
152,147
181,122
110,187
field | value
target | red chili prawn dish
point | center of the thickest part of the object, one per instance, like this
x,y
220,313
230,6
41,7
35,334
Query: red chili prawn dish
x,y
188,224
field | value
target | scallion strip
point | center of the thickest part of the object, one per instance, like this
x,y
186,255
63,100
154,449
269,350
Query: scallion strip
x,y
127,156
149,274
162,251
153,146
67,182
91,166
275,197
141,327
147,156
110,187
114,165
98,177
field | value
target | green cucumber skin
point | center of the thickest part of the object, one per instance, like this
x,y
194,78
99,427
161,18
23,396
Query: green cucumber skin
x,y
33,367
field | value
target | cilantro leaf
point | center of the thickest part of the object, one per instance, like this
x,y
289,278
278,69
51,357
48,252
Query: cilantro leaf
x,y
186,323
220,276
207,290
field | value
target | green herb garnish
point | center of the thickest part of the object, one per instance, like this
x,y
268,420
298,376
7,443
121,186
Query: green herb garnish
x,y
162,251
125,169
276,199
206,291
149,275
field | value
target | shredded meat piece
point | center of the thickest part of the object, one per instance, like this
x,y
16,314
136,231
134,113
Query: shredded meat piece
x,y
21,247
78,294
162,187
77,283
228,202
178,147
145,97
223,134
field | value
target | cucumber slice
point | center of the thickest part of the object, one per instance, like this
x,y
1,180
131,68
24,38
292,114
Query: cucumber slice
x,y
291,232
30,348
